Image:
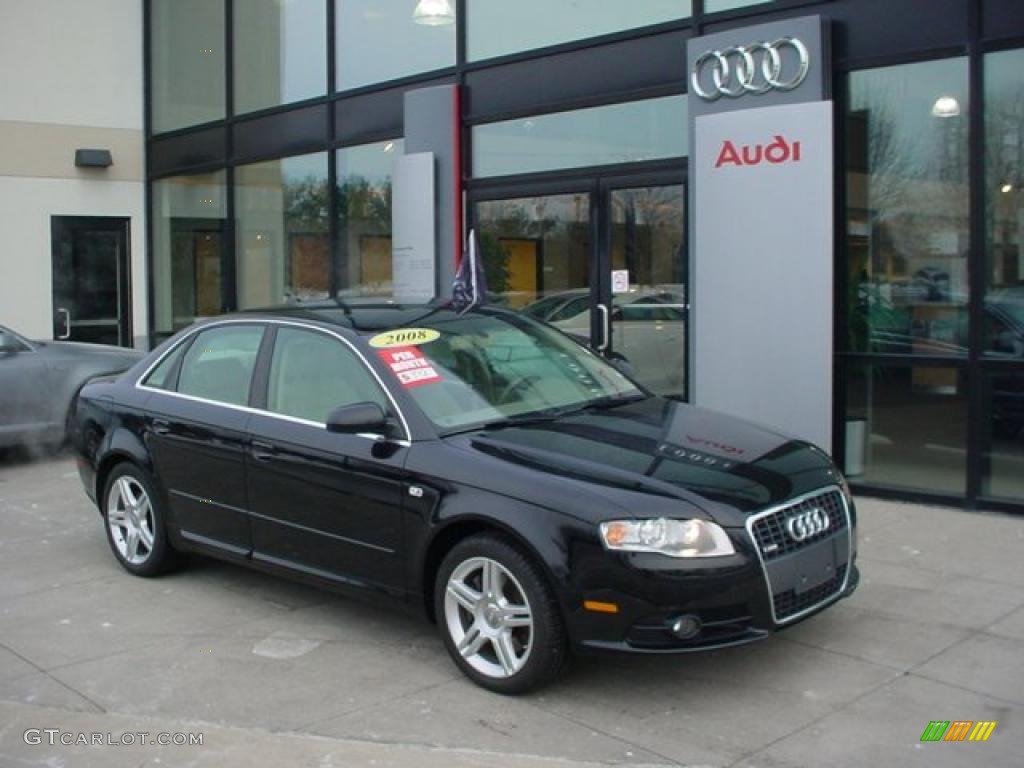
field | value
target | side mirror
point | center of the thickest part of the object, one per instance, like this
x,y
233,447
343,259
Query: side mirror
x,y
359,418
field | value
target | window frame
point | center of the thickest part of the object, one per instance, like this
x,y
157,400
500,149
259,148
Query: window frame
x,y
262,370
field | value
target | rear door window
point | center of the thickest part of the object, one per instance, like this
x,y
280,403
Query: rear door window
x,y
219,364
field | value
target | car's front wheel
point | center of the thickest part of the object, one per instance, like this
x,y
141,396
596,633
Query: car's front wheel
x,y
499,616
135,523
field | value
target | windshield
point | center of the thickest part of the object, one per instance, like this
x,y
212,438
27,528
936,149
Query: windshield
x,y
481,369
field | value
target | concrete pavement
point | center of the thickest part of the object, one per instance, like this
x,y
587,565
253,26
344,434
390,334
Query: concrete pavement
x,y
275,673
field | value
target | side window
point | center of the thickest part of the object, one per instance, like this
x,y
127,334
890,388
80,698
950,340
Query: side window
x,y
311,374
219,364
162,377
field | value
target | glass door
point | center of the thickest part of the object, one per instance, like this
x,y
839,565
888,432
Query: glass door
x,y
604,261
91,285
538,257
643,263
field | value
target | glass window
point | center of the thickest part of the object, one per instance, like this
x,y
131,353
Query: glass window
x,y
907,214
536,254
1004,433
484,368
364,224
907,427
714,6
500,28
379,40
312,374
219,364
163,376
620,133
188,249
1004,219
283,247
187,63
280,52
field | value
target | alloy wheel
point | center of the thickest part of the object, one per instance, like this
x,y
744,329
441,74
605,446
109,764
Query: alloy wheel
x,y
130,519
489,617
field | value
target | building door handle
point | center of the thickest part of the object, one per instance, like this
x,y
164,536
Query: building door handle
x,y
63,329
605,338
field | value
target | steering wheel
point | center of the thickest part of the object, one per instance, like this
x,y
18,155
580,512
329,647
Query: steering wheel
x,y
515,385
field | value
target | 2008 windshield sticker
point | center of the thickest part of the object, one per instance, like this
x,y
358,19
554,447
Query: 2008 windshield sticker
x,y
404,337
410,366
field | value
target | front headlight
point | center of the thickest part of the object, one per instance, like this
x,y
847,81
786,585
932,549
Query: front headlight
x,y
675,538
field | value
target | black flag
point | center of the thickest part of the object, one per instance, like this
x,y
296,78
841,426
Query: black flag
x,y
470,286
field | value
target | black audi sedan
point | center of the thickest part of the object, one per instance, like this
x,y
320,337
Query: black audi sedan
x,y
482,468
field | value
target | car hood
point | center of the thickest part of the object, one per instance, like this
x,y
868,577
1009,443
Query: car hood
x,y
664,457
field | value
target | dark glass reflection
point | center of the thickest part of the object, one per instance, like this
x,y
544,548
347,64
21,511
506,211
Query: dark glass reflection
x,y
906,426
907,209
1003,453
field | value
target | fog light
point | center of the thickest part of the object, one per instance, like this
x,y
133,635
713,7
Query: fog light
x,y
686,627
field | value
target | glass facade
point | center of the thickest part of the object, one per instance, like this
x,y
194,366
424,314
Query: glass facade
x,y
619,133
1003,307
380,40
189,218
907,209
364,217
907,427
282,244
714,6
577,168
500,28
187,63
280,52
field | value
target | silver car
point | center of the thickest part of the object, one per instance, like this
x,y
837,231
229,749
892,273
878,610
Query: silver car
x,y
39,381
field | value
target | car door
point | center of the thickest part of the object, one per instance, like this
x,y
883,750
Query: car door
x,y
196,431
328,504
24,389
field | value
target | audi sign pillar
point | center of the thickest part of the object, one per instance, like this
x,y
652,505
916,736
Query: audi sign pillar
x,y
761,244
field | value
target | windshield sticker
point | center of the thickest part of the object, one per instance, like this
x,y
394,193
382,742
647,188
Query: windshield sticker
x,y
410,366
404,337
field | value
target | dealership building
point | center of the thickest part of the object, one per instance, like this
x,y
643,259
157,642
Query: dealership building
x,y
806,213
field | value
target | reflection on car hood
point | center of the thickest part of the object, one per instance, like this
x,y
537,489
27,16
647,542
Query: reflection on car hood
x,y
664,451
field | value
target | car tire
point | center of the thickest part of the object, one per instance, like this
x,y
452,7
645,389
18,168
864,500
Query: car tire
x,y
134,519
499,616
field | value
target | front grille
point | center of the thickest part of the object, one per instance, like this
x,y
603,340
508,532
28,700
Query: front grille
x,y
789,602
770,530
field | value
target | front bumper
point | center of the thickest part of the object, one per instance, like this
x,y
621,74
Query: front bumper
x,y
732,601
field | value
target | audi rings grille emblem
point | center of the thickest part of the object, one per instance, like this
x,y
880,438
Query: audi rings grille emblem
x,y
807,524
756,68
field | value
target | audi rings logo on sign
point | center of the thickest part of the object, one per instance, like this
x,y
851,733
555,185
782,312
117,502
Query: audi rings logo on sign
x,y
806,524
756,68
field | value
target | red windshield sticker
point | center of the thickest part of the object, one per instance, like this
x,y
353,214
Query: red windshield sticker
x,y
410,366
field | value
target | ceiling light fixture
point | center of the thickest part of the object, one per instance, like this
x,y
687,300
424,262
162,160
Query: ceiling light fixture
x,y
1006,189
434,13
946,106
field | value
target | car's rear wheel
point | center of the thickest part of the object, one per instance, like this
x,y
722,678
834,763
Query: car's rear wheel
x,y
499,616
135,522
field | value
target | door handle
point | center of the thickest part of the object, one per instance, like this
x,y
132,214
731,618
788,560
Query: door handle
x,y
262,451
67,325
161,427
602,346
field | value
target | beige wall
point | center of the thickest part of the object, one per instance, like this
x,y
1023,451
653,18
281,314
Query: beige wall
x,y
72,78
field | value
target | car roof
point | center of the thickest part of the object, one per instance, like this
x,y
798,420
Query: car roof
x,y
363,317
